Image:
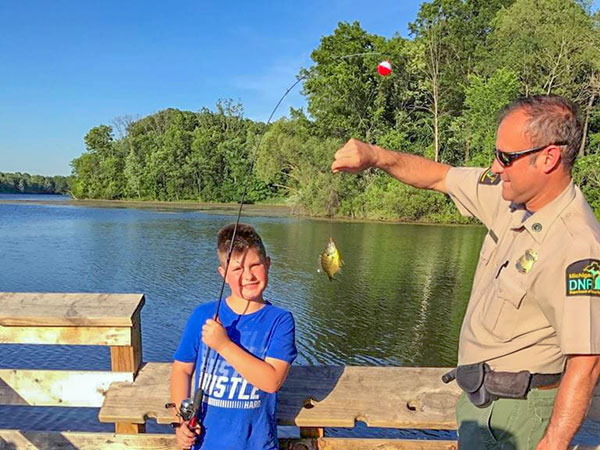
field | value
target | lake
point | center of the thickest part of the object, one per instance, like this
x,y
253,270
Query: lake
x,y
399,300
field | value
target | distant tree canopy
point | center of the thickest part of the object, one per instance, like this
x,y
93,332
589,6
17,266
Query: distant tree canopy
x,y
23,183
464,61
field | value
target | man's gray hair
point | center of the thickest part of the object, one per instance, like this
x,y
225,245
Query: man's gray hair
x,y
552,119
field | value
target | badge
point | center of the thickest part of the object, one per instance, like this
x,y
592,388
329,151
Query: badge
x,y
489,178
526,262
583,277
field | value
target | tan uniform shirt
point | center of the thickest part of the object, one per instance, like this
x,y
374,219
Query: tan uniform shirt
x,y
536,291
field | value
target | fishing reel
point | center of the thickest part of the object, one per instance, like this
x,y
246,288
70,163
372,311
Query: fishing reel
x,y
189,411
186,411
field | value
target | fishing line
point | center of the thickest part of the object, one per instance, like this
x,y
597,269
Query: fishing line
x,y
199,397
233,236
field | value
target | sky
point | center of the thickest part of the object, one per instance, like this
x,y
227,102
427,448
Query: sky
x,y
67,66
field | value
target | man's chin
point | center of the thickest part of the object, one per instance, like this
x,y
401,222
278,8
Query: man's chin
x,y
507,194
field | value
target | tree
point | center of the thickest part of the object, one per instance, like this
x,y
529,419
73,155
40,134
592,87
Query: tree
x,y
345,95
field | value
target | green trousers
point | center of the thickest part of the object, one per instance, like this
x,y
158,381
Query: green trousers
x,y
507,424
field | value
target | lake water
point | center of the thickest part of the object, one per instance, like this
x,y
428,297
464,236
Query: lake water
x,y
399,301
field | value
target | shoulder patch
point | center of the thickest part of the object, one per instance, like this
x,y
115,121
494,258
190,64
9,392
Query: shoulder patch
x,y
489,178
583,277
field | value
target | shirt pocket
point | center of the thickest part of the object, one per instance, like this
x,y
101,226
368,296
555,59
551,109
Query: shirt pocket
x,y
487,248
500,315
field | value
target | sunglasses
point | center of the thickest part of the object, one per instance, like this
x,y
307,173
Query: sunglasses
x,y
507,158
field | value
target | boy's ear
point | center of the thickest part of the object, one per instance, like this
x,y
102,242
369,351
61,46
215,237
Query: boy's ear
x,y
221,271
268,262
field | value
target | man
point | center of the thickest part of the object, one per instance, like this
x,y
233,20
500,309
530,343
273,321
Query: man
x,y
534,311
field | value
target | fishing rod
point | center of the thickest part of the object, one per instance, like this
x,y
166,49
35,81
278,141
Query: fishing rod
x,y
192,411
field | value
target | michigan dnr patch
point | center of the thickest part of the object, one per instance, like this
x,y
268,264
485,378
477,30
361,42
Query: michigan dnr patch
x,y
490,178
583,277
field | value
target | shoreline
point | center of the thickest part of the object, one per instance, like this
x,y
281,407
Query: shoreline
x,y
268,210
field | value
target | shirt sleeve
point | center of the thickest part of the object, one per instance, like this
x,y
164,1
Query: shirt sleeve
x,y
187,351
283,341
575,308
476,192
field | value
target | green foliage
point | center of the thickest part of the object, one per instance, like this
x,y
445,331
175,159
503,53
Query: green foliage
x,y
587,176
483,99
552,45
24,183
465,61
345,95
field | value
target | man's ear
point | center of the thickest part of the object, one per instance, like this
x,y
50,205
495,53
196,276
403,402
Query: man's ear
x,y
268,262
551,158
221,271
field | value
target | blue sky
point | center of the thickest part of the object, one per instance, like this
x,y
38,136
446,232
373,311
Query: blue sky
x,y
67,65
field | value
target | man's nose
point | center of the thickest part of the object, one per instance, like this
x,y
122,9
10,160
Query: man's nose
x,y
497,167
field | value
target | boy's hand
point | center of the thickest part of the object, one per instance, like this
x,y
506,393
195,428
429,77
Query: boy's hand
x,y
185,436
214,335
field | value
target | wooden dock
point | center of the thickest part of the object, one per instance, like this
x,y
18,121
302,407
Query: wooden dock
x,y
312,398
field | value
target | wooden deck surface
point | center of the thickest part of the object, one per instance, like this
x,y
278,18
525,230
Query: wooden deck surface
x,y
314,396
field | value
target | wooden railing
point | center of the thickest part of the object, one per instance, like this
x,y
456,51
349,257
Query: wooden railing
x,y
312,398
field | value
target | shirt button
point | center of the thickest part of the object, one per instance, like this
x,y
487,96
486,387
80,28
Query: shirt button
x,y
537,227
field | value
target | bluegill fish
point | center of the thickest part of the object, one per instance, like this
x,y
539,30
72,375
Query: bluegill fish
x,y
331,260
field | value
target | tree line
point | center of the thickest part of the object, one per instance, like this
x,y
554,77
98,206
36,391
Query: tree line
x,y
464,60
24,183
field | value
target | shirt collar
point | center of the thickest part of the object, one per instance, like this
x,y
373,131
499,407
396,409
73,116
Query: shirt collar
x,y
539,223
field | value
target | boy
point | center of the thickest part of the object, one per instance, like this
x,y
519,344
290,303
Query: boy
x,y
252,346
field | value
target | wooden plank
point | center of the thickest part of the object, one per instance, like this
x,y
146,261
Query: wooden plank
x,y
45,440
66,335
364,444
380,444
72,310
144,398
335,396
317,396
57,387
391,397
129,358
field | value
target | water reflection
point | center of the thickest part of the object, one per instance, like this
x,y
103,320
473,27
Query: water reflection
x,y
398,301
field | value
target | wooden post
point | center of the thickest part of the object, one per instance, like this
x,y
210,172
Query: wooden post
x,y
129,359
312,432
130,428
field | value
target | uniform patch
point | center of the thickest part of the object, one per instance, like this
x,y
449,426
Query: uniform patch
x,y
583,277
489,178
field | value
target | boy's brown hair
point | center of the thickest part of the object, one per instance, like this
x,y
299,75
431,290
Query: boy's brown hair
x,y
245,237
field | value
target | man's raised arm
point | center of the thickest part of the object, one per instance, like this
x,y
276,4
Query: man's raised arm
x,y
356,156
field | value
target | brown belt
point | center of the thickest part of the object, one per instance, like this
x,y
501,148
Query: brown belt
x,y
545,381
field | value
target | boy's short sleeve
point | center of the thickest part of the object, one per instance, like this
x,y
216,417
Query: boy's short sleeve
x,y
187,351
283,341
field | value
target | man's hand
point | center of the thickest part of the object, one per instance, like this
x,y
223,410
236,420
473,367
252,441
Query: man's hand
x,y
215,335
355,156
186,437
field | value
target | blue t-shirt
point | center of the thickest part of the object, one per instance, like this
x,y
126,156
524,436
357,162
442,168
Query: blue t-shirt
x,y
238,415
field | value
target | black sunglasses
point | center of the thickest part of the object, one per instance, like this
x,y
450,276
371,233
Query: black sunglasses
x,y
507,158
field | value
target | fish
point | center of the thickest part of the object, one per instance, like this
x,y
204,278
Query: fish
x,y
331,260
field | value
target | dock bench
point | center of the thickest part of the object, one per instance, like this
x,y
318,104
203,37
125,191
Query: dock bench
x,y
312,398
